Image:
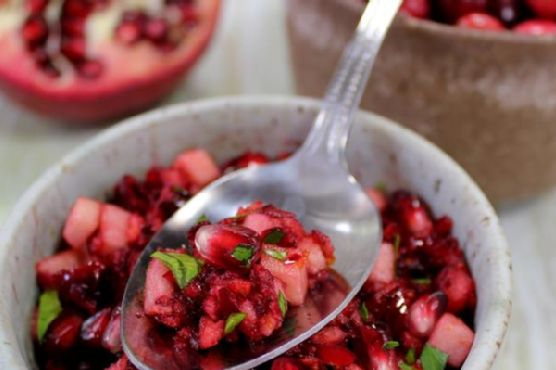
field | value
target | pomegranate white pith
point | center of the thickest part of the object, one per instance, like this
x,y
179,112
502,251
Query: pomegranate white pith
x,y
93,68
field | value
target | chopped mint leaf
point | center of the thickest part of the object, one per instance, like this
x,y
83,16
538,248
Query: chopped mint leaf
x,y
397,240
275,253
433,359
410,356
422,281
274,237
391,344
380,186
364,312
203,218
403,366
233,321
184,267
49,309
282,303
243,253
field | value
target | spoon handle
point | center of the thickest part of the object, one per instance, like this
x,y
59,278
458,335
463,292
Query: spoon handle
x,y
330,131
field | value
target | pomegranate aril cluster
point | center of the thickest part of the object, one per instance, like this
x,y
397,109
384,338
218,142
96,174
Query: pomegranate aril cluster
x,y
66,37
534,17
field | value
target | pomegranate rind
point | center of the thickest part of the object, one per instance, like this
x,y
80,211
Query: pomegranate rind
x,y
119,91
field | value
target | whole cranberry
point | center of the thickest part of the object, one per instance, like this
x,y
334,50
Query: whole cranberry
x,y
508,11
416,8
543,8
537,27
450,11
480,21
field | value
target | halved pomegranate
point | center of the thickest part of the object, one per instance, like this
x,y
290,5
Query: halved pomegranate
x,y
90,60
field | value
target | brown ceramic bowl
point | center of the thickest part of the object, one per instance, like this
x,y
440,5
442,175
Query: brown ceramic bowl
x,y
487,98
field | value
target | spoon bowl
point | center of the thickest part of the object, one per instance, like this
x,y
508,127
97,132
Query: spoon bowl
x,y
315,184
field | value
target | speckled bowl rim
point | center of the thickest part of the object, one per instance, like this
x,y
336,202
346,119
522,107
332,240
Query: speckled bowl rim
x,y
437,29
498,315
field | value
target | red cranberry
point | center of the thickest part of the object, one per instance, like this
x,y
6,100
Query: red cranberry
x,y
480,21
543,8
537,27
416,8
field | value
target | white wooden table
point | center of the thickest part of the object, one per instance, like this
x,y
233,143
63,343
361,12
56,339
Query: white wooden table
x,y
249,56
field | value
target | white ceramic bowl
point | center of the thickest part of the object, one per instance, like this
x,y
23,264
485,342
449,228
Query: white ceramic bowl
x,y
379,151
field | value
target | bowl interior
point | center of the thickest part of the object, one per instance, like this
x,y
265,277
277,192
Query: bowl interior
x,y
379,151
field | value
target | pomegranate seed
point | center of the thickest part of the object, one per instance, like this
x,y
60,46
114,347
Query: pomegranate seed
x,y
63,333
36,6
93,328
90,69
217,243
480,21
156,30
543,8
537,27
129,32
189,15
76,8
75,49
73,27
416,8
35,31
424,313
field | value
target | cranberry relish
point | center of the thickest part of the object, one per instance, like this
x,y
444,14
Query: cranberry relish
x,y
414,312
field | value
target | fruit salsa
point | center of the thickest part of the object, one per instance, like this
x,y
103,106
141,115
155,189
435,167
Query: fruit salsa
x,y
533,17
236,279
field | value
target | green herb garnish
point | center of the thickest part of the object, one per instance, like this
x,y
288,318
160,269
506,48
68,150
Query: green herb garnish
x,y
184,267
410,356
274,237
403,366
433,359
283,303
275,253
243,253
421,281
391,344
364,312
49,309
233,321
203,218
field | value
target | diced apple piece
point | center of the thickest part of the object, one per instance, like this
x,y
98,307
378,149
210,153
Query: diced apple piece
x,y
157,286
210,332
458,286
49,267
197,166
384,268
292,274
315,258
260,223
453,337
118,228
329,335
378,198
82,222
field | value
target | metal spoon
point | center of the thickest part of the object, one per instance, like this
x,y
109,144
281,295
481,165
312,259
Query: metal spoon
x,y
315,184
